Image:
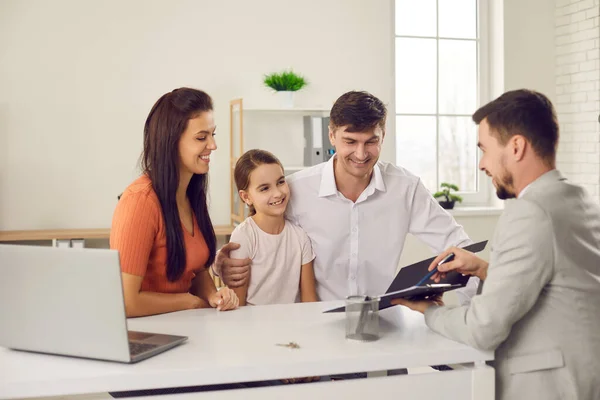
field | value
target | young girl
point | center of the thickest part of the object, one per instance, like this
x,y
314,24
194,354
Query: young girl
x,y
281,253
161,225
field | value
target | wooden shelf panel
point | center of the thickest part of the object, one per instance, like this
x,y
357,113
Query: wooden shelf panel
x,y
223,230
14,236
31,235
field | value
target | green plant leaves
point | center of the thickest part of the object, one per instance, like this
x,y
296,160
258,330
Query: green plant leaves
x,y
449,186
446,192
285,81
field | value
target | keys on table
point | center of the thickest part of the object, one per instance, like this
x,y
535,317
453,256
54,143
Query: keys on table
x,y
290,345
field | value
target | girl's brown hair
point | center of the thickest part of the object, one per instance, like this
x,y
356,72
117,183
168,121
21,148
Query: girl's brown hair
x,y
247,163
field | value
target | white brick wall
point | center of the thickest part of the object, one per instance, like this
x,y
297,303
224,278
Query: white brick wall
x,y
578,91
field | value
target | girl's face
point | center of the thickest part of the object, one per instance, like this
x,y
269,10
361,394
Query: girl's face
x,y
267,191
196,144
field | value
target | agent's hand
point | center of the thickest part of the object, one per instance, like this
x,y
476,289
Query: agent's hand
x,y
420,305
224,299
234,272
464,262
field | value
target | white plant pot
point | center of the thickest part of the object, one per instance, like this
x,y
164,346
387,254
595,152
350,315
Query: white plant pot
x,y
286,99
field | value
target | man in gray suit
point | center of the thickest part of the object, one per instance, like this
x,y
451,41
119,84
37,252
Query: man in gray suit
x,y
539,307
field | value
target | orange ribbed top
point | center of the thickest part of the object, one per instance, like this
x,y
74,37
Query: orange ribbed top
x,y
138,233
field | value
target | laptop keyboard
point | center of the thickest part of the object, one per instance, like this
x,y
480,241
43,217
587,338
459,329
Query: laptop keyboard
x,y
136,348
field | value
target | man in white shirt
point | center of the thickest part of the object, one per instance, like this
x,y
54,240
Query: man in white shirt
x,y
357,210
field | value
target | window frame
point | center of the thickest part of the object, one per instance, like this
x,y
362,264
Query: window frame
x,y
483,195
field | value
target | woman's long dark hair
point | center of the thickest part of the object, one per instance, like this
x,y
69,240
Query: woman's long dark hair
x,y
164,126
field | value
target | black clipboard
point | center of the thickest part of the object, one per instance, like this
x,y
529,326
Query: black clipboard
x,y
403,285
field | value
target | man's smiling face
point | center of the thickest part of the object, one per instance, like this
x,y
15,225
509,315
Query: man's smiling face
x,y
357,152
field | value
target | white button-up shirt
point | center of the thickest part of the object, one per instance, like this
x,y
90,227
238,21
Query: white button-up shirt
x,y
358,244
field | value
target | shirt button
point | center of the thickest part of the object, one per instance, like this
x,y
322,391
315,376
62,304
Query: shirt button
x,y
353,255
354,229
352,277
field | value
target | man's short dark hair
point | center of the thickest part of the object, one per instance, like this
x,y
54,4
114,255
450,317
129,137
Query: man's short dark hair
x,y
359,111
526,113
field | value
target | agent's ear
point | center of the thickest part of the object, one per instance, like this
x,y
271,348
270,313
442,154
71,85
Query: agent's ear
x,y
518,145
244,196
332,136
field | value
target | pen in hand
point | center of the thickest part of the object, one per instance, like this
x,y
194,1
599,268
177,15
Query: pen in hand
x,y
449,257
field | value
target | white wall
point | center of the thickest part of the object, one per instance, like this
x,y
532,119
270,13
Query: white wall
x,y
553,46
478,227
77,79
529,46
578,91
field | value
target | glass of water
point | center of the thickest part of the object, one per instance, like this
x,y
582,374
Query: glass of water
x,y
362,318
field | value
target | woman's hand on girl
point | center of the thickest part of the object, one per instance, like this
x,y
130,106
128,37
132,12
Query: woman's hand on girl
x,y
224,299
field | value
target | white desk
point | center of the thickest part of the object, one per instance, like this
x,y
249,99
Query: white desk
x,y
240,346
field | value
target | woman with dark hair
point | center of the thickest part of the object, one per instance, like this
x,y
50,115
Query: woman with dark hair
x,y
161,225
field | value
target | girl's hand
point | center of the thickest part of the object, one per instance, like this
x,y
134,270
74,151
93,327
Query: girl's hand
x,y
224,299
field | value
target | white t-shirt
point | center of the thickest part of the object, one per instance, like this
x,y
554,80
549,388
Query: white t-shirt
x,y
276,261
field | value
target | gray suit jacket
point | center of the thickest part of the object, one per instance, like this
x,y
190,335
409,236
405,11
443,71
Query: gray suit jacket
x,y
540,304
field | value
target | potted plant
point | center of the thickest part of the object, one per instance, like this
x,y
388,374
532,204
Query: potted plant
x,y
285,84
448,198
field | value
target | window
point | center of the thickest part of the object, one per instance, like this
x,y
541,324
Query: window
x,y
439,84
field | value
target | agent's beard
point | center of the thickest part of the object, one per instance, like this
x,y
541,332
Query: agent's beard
x,y
504,183
504,189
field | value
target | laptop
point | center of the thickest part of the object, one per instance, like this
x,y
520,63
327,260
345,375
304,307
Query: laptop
x,y
70,302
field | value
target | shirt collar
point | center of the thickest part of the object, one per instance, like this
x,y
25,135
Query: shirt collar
x,y
523,191
552,175
328,186
378,178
